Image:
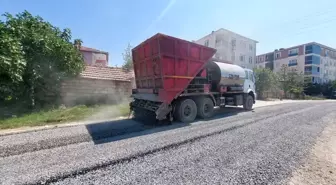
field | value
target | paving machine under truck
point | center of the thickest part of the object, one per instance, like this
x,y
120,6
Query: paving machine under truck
x,y
179,80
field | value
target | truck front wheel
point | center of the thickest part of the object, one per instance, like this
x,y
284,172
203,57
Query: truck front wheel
x,y
248,104
205,107
186,110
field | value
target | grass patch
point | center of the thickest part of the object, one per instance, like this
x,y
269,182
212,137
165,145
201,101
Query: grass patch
x,y
63,115
314,98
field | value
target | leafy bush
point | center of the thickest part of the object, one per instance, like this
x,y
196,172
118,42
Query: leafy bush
x,y
35,57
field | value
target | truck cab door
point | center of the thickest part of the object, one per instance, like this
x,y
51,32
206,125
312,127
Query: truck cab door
x,y
252,81
249,81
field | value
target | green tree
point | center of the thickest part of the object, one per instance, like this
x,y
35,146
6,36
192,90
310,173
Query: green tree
x,y
333,84
291,81
266,80
127,57
313,89
78,43
12,63
37,58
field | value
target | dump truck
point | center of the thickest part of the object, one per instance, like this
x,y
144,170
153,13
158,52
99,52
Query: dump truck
x,y
180,80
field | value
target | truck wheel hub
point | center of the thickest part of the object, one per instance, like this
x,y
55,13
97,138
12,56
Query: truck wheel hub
x,y
187,111
206,108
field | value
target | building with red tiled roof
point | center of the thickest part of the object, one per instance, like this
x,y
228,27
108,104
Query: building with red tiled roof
x,y
94,57
107,73
97,85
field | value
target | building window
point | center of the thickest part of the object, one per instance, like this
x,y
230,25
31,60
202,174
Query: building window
x,y
251,47
206,43
292,63
233,42
293,52
250,60
242,58
312,59
233,58
314,48
312,70
308,70
277,55
309,49
326,53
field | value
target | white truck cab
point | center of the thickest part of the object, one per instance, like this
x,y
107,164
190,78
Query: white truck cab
x,y
249,83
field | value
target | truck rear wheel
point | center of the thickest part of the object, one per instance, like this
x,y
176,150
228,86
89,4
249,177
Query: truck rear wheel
x,y
186,110
248,104
205,107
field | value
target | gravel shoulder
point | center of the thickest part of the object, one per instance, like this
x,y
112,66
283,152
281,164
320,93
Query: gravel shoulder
x,y
320,166
249,141
29,141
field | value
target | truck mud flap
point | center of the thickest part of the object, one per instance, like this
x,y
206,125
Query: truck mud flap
x,y
148,111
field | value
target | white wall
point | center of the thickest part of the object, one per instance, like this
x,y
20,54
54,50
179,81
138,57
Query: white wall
x,y
299,67
328,68
226,51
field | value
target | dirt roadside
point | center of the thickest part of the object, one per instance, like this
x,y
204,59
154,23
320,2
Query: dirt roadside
x,y
320,167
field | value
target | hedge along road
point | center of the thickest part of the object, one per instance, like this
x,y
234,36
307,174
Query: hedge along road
x,y
263,146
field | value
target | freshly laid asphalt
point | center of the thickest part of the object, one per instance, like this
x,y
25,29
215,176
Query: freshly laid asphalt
x,y
263,146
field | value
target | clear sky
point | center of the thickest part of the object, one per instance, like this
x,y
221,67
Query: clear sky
x,y
110,25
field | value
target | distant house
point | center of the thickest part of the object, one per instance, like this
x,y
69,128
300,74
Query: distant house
x,y
94,57
104,84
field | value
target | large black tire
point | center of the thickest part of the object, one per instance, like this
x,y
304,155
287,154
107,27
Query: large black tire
x,y
186,110
248,104
205,107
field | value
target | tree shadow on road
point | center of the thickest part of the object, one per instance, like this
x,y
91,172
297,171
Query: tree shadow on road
x,y
105,132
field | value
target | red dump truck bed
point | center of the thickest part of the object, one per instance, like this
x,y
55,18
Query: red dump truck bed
x,y
164,65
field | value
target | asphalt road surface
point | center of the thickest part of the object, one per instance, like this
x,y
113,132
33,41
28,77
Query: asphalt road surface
x,y
265,146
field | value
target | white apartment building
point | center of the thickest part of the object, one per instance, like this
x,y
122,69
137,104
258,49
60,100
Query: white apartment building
x,y
231,47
